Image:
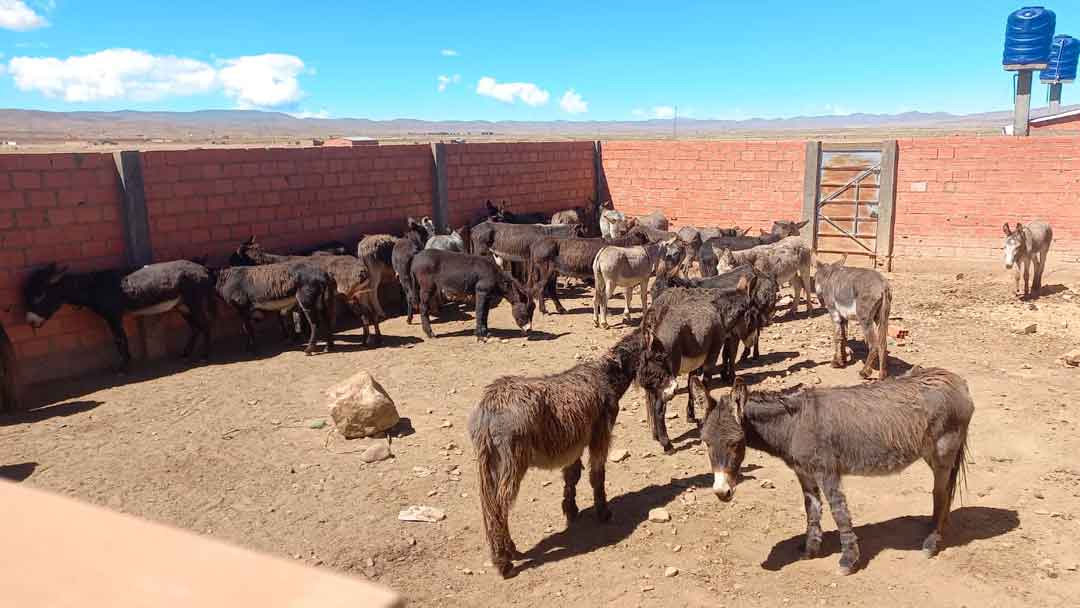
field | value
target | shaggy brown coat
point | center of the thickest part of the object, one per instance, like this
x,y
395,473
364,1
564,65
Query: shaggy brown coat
x,y
823,434
547,422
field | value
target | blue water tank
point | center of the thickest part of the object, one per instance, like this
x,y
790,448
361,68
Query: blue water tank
x,y
1064,53
1028,34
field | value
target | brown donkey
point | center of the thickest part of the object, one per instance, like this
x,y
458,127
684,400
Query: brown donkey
x,y
825,434
863,295
547,423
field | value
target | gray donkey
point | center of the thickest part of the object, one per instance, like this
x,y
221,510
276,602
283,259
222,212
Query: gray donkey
x,y
861,294
823,434
629,267
1024,245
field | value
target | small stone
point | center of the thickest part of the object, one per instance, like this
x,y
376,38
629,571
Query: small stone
x,y
647,588
430,410
421,471
618,455
1038,495
767,484
433,493
960,276
446,424
466,571
1042,512
422,514
503,340
659,515
671,571
671,414
317,424
370,563
1025,366
375,453
411,541
1071,358
453,391
676,548
275,421
1025,329
546,483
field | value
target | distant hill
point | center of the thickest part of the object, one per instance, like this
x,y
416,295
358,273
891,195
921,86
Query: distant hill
x,y
221,126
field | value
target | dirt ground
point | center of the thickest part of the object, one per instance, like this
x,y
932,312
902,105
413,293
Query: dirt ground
x,y
228,450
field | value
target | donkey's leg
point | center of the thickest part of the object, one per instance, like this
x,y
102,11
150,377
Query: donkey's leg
x,y
482,315
644,287
597,299
598,453
425,311
796,288
116,326
849,543
660,426
554,278
812,503
838,341
870,334
1027,269
628,294
571,475
309,309
1040,264
941,506
843,342
195,331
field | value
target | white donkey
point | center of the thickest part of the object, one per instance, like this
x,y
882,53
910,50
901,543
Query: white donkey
x,y
630,267
1024,245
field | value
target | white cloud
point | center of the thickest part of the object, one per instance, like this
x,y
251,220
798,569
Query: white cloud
x,y
323,113
446,81
572,103
836,110
15,15
663,112
449,53
262,81
507,92
125,74
112,74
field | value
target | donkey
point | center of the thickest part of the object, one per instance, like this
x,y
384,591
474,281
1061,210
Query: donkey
x,y
686,330
547,422
1023,246
786,261
350,276
10,376
823,434
550,257
714,246
609,218
377,251
629,267
502,213
461,275
401,258
861,294
251,290
155,289
455,241
586,216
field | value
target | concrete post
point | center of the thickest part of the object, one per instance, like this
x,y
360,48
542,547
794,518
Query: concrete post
x,y
1055,98
1022,111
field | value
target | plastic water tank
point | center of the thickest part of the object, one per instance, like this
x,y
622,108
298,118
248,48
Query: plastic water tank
x,y
1028,34
1064,53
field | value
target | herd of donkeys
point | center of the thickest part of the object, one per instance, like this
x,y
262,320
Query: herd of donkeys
x,y
711,289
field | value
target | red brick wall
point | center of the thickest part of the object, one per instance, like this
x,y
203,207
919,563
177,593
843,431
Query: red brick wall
x,y
62,208
954,193
546,177
207,201
715,183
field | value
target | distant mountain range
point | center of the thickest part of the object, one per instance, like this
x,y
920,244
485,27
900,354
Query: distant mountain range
x,y
248,125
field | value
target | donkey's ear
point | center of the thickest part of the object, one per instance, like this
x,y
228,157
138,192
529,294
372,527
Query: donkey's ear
x,y
699,395
840,263
1019,227
57,273
490,206
799,225
739,396
762,231
745,232
250,241
1005,229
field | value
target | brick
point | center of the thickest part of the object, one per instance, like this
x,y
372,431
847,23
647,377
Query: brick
x,y
23,180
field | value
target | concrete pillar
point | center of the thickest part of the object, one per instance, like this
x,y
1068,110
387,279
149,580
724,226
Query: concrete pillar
x,y
1055,98
1022,111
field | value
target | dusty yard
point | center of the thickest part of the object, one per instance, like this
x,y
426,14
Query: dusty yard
x,y
228,450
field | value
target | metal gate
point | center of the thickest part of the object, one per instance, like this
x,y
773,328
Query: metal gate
x,y
850,194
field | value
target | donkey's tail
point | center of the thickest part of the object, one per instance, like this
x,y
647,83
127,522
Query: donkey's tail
x,y
884,309
488,467
958,472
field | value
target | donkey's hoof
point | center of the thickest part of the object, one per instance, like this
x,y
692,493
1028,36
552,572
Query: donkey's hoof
x,y
930,545
866,372
505,568
603,515
848,562
571,512
837,364
668,448
845,570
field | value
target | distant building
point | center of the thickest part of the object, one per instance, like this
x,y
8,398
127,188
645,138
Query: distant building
x,y
346,142
1061,121
9,144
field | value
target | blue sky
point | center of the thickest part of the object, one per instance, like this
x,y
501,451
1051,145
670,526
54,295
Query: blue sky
x,y
512,61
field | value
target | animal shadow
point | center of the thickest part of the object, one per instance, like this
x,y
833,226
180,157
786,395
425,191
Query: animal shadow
x,y
585,534
17,472
906,533
403,428
49,411
387,341
1050,290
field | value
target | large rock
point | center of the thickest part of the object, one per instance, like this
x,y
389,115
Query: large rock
x,y
360,407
